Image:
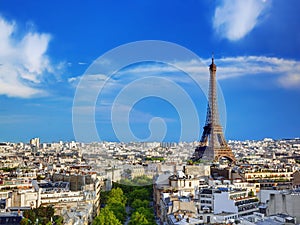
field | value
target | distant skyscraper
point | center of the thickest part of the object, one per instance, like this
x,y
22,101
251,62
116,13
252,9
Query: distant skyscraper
x,y
213,145
35,142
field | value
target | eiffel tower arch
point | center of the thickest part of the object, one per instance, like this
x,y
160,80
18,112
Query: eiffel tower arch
x,y
213,145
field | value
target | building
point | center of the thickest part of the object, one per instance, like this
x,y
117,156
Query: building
x,y
286,202
174,197
10,218
35,142
228,200
269,178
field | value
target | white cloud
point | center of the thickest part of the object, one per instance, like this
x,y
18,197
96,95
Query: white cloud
x,y
285,71
290,80
234,19
73,79
92,81
23,61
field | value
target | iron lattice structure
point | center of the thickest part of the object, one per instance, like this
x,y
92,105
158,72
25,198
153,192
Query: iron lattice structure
x,y
213,145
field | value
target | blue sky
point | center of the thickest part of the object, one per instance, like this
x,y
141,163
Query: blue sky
x,y
47,46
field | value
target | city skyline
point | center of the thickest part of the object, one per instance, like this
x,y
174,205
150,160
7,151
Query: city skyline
x,y
45,49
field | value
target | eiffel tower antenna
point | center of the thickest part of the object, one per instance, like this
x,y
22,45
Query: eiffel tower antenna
x,y
213,145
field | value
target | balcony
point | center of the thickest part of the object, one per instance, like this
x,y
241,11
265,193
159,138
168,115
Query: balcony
x,y
245,201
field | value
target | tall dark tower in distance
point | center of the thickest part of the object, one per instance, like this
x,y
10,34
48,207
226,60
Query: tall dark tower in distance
x,y
213,145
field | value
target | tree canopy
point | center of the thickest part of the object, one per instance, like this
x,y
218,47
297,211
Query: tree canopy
x,y
138,219
41,214
135,193
106,217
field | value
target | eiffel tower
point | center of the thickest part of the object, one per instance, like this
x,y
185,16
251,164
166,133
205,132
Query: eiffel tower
x,y
213,145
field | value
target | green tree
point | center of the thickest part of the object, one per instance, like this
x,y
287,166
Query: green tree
x,y
116,195
43,214
30,215
119,210
251,193
141,180
25,221
141,193
138,192
190,162
106,217
148,213
137,203
104,196
59,220
138,219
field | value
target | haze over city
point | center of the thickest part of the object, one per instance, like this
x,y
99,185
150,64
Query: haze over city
x,y
46,47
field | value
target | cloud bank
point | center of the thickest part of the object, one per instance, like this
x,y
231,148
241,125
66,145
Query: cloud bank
x,y
286,72
234,19
23,61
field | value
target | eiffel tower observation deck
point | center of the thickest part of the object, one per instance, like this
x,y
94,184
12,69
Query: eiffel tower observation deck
x,y
213,145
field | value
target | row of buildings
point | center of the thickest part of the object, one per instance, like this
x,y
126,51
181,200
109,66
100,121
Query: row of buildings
x,y
262,186
191,195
